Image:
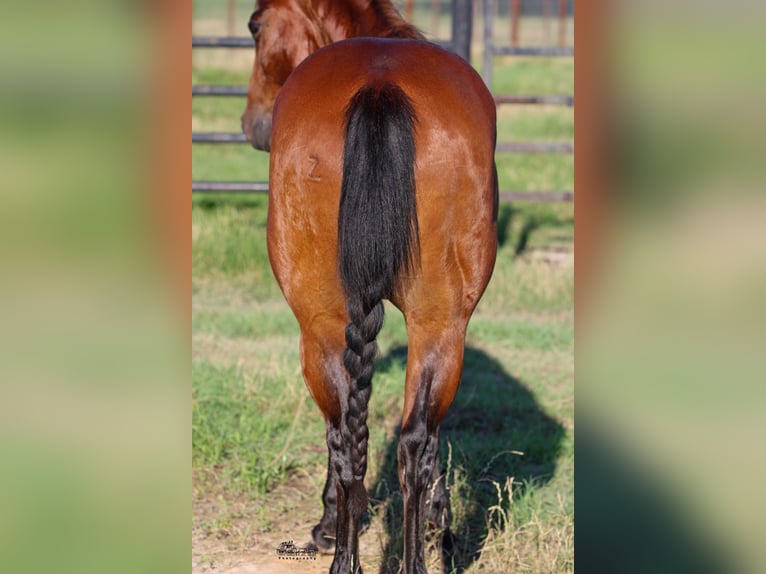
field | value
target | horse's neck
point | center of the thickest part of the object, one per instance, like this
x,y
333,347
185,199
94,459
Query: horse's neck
x,y
342,19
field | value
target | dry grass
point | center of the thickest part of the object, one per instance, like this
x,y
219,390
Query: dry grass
x,y
540,544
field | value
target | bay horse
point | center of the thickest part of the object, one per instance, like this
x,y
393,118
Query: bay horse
x,y
382,186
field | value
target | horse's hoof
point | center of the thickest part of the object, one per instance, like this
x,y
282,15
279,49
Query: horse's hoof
x,y
347,570
322,540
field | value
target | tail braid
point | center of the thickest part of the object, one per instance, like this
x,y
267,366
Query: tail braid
x,y
377,241
359,359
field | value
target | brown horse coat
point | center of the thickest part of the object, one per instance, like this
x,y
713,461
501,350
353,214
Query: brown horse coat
x,y
382,185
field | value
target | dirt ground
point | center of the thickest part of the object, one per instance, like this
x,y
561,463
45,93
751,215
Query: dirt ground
x,y
232,534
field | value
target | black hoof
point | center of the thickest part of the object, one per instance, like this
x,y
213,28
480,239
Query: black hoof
x,y
323,540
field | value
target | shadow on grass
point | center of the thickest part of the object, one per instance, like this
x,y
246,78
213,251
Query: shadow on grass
x,y
528,220
492,415
505,217
239,201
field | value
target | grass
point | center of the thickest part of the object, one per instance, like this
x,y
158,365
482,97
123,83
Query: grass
x,y
258,451
256,430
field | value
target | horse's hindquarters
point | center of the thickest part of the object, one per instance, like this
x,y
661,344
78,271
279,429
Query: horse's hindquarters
x,y
454,168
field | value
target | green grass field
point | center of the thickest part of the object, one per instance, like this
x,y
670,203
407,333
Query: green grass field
x,y
507,444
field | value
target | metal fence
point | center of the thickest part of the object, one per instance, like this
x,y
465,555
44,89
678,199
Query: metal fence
x,y
459,43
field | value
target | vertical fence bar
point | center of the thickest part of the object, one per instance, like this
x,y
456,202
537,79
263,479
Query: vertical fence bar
x,y
515,18
230,17
489,46
547,13
562,22
462,24
436,13
478,10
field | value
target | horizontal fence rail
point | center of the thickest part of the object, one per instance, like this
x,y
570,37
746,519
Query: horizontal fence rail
x,y
263,187
503,147
218,137
239,91
247,42
491,50
534,147
230,186
222,42
547,100
542,100
547,51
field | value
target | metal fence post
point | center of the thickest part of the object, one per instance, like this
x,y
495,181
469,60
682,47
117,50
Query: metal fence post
x,y
462,24
489,47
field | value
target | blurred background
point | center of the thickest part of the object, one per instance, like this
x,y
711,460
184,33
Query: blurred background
x,y
94,432
670,326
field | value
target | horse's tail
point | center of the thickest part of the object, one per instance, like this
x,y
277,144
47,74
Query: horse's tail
x,y
377,234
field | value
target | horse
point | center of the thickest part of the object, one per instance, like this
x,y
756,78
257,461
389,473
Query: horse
x,y
383,186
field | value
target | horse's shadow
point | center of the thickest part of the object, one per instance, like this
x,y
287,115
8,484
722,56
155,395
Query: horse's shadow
x,y
493,419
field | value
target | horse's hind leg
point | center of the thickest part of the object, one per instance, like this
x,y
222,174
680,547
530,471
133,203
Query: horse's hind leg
x,y
437,503
433,374
322,346
321,360
323,534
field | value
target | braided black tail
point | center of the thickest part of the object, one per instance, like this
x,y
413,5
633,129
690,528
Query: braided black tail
x,y
377,237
